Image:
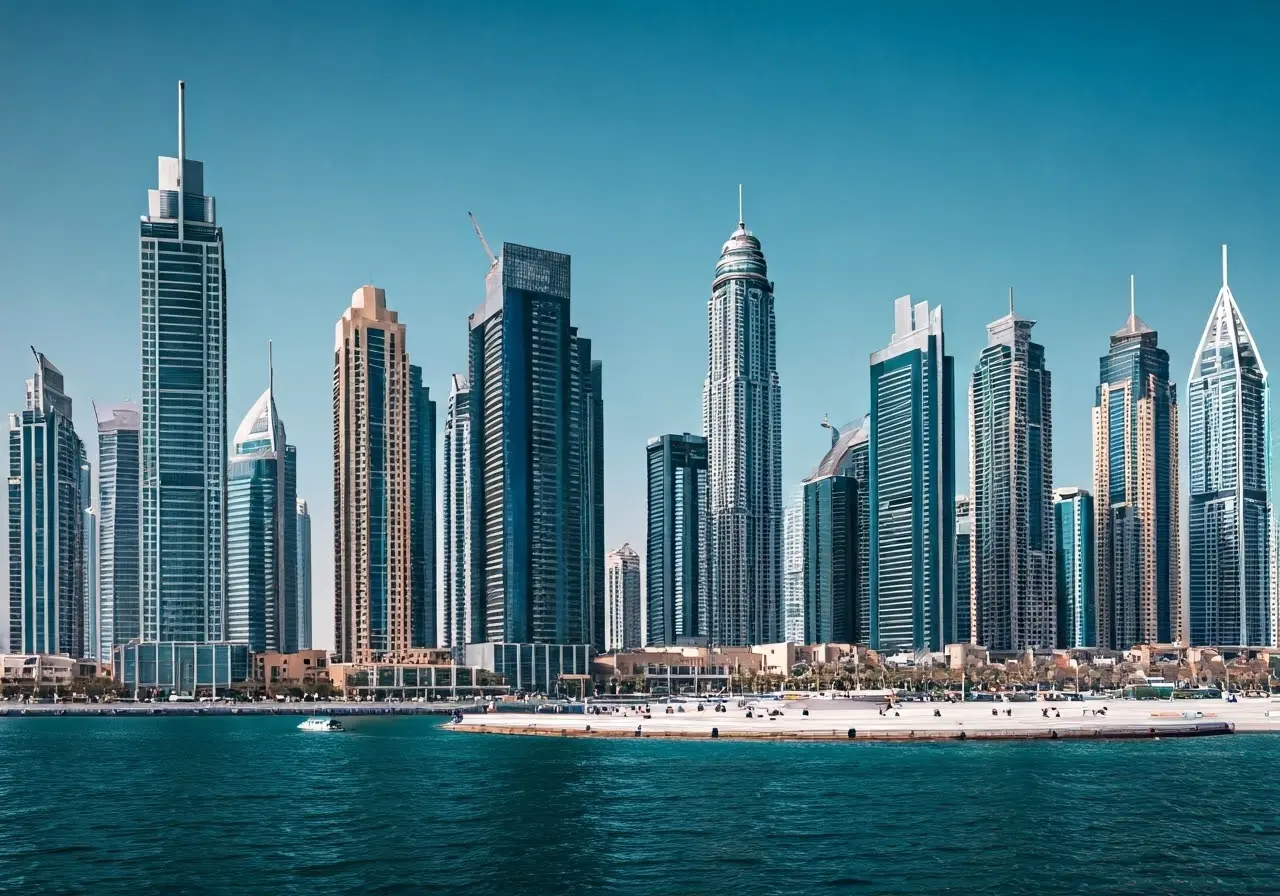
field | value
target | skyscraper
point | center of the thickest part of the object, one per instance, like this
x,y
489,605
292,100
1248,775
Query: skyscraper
x,y
303,575
261,533
832,598
46,521
793,567
912,475
422,487
529,379
622,601
119,525
742,420
591,374
1011,489
184,405
89,564
677,586
1228,520
964,559
457,514
1135,492
372,505
1077,610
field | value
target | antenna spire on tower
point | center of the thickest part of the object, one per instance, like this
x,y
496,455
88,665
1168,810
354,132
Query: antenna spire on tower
x,y
271,371
1224,265
182,155
1133,315
741,220
1011,301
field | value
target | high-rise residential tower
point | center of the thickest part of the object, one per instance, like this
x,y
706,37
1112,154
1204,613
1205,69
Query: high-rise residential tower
x,y
372,501
89,564
119,525
912,476
1135,492
622,600
1011,489
591,409
46,521
1229,462
262,550
422,486
184,405
457,515
742,421
303,575
677,587
833,609
1077,611
793,567
964,559
529,377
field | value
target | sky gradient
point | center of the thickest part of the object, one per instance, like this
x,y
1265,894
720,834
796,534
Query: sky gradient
x,y
942,150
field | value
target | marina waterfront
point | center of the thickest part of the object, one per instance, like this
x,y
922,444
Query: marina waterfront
x,y
400,805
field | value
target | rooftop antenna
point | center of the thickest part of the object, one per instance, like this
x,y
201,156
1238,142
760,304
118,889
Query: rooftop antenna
x,y
835,433
271,371
741,220
1224,265
1011,301
182,153
483,242
1133,316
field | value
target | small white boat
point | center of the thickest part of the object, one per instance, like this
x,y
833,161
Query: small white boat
x,y
317,724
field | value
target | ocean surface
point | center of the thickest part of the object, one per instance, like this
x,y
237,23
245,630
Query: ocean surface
x,y
399,805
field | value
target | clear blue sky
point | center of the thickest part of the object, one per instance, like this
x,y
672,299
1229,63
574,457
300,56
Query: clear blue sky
x,y
938,149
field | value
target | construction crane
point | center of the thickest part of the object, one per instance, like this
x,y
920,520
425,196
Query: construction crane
x,y
483,242
835,432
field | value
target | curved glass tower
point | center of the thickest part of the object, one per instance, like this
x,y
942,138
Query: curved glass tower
x,y
741,418
1228,411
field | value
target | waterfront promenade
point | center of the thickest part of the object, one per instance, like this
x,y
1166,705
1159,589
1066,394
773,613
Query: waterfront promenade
x,y
331,708
850,719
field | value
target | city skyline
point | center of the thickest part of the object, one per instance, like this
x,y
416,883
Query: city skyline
x,y
806,358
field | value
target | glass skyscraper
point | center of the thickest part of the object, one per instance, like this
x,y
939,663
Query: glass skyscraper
x,y
1077,610
303,575
422,487
1228,519
677,581
262,550
184,406
742,421
457,515
89,565
1011,489
833,610
119,525
591,408
46,521
622,600
964,558
1135,492
912,476
793,567
372,501
531,378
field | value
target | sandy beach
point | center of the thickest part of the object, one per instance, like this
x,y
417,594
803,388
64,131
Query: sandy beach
x,y
850,719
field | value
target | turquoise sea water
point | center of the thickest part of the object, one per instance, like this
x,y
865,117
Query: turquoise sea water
x,y
398,805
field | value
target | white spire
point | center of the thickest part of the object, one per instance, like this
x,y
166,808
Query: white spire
x,y
742,222
1224,265
1133,316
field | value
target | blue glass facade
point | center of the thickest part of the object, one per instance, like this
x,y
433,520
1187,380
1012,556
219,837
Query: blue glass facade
x,y
1074,529
184,403
46,521
422,500
303,575
119,525
964,559
1228,412
676,548
912,475
180,668
1135,492
530,380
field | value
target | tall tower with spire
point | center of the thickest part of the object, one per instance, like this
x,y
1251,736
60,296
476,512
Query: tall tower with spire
x,y
1011,490
262,602
1137,541
184,405
1229,462
742,422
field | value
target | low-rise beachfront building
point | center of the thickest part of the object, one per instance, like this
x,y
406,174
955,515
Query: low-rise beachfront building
x,y
187,668
44,670
411,681
532,668
302,668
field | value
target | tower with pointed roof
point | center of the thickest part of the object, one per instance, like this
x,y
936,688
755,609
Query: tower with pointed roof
x,y
1229,463
262,600
1138,571
1011,490
742,422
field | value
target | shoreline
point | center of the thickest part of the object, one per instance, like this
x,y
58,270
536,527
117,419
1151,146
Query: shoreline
x,y
134,710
